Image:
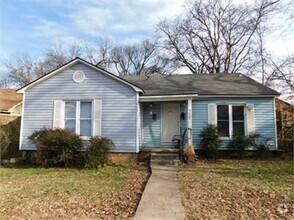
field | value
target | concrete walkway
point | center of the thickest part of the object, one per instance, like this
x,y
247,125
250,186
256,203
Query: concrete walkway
x,y
161,198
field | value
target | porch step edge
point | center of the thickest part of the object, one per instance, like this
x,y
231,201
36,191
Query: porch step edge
x,y
159,150
164,159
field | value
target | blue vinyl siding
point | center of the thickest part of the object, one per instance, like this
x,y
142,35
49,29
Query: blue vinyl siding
x,y
263,112
119,107
183,122
151,127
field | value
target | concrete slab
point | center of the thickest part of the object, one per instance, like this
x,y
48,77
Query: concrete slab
x,y
161,198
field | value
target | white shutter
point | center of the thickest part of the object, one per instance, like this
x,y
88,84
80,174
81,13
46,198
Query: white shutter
x,y
58,114
212,114
97,117
250,119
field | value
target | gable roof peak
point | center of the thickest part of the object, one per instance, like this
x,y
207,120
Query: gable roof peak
x,y
71,63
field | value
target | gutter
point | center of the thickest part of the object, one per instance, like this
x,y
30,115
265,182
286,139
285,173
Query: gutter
x,y
166,98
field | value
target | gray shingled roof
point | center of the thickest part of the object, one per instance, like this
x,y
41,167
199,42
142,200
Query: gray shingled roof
x,y
201,84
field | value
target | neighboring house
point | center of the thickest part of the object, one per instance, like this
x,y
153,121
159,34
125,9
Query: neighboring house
x,y
285,124
10,105
146,111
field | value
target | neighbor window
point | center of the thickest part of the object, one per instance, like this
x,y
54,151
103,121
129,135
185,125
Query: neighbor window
x,y
230,120
78,117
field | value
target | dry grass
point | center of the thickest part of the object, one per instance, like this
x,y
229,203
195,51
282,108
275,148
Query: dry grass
x,y
36,193
238,189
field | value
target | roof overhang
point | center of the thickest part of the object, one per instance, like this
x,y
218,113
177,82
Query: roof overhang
x,y
236,96
15,106
71,63
155,98
159,98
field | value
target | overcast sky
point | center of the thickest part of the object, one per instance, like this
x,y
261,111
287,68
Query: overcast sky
x,y
30,26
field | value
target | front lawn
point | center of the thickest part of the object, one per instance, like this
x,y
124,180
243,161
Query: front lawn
x,y
238,189
34,193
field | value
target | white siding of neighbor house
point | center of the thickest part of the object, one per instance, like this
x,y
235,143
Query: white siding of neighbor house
x,y
119,106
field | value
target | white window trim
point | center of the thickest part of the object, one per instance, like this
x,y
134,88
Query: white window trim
x,y
78,119
230,105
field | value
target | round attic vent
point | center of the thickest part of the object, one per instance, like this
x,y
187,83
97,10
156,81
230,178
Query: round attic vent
x,y
78,76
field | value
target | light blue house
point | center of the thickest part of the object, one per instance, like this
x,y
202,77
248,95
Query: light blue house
x,y
146,111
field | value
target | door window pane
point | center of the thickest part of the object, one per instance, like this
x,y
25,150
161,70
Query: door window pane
x,y
86,110
70,124
70,109
86,128
238,113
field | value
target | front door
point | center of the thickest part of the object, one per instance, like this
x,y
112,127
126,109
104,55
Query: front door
x,y
170,121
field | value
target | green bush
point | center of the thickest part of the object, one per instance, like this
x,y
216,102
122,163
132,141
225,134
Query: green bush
x,y
263,151
260,145
97,154
9,139
56,147
239,144
210,141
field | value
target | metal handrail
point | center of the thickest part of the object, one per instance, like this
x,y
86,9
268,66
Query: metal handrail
x,y
183,143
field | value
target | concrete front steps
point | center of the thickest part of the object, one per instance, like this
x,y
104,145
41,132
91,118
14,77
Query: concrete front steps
x,y
162,159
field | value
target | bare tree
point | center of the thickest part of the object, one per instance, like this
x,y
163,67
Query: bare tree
x,y
100,54
140,59
21,69
4,80
56,55
215,36
275,71
137,59
280,75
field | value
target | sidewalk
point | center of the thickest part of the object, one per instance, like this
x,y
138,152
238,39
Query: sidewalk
x,y
161,198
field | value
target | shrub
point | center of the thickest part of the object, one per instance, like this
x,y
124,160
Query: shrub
x,y
97,154
260,145
56,147
239,144
27,158
210,141
189,154
263,150
9,139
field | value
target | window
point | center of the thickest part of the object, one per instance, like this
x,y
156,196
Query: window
x,y
78,117
223,122
238,120
230,120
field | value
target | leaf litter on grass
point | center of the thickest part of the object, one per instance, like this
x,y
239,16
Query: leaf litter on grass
x,y
209,193
108,193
